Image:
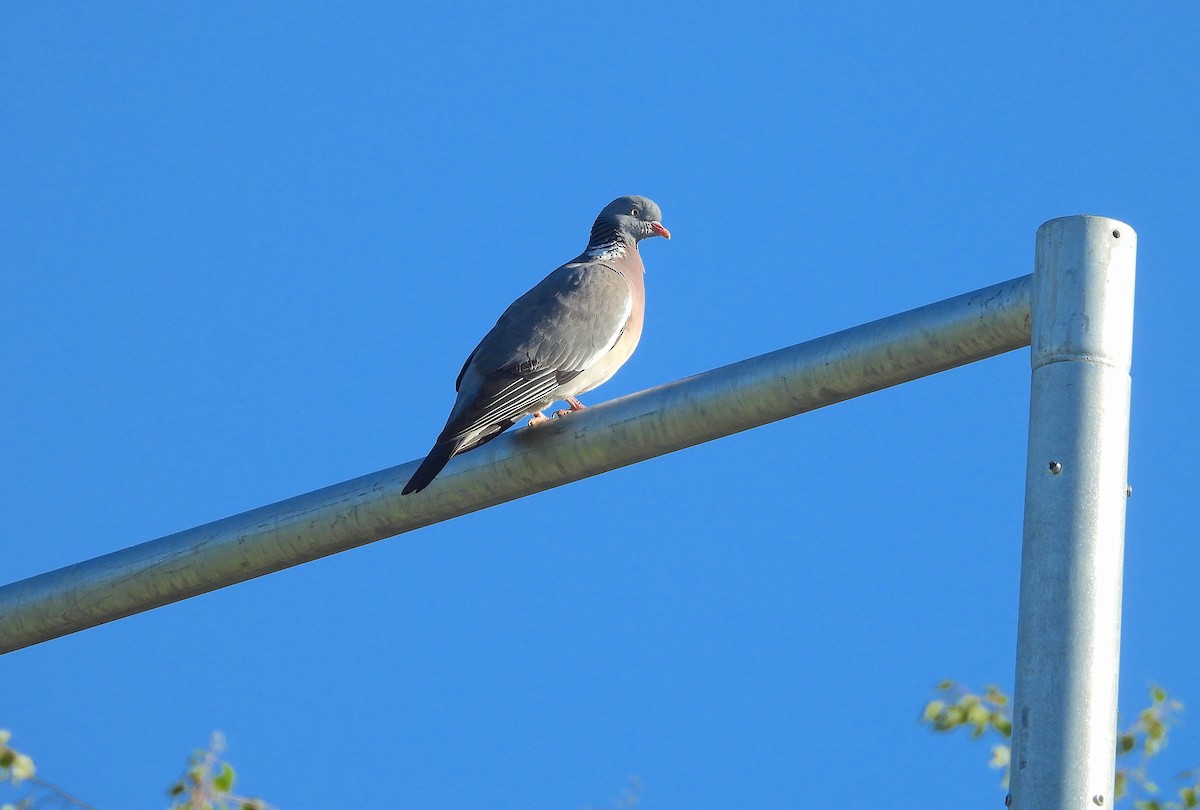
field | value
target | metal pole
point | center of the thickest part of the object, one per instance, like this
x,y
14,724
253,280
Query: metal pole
x,y
624,431
1069,622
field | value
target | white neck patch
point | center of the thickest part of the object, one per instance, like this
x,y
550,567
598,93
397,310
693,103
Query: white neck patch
x,y
613,250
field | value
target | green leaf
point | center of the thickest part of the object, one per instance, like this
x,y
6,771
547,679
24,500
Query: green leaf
x,y
1189,797
176,789
1127,743
945,686
22,769
995,695
1158,693
978,715
932,710
1004,726
224,781
6,757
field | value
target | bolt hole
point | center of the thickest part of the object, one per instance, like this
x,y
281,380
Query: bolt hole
x,y
1116,234
1055,467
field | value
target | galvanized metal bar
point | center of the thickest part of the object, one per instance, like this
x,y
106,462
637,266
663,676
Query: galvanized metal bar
x,y
624,431
1069,622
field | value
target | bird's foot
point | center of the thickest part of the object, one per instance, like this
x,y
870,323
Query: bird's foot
x,y
538,418
575,404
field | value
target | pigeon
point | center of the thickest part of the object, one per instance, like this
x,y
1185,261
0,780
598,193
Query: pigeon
x,y
566,336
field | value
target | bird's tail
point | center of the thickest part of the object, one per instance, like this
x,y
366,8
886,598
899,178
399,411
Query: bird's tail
x,y
433,464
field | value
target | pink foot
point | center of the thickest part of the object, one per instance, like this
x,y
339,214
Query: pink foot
x,y
538,418
575,404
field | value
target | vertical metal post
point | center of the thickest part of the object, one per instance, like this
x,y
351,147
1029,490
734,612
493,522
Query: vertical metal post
x,y
1069,622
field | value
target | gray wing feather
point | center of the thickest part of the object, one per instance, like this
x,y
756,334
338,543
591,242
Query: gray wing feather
x,y
546,337
573,315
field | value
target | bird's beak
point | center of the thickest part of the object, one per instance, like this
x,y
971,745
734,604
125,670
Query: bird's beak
x,y
659,230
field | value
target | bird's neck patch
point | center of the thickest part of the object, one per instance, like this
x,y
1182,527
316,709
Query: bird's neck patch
x,y
612,250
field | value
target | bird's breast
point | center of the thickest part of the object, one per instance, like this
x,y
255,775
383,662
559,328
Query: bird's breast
x,y
626,342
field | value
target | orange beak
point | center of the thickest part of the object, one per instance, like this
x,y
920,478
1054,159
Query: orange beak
x,y
659,230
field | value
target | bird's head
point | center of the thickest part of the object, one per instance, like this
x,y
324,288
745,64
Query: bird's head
x,y
632,217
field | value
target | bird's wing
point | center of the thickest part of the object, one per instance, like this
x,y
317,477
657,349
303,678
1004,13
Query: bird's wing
x,y
552,333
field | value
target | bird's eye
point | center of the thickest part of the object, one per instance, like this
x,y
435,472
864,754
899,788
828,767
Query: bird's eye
x,y
634,212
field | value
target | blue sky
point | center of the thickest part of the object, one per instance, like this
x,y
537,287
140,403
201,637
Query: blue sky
x,y
246,249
